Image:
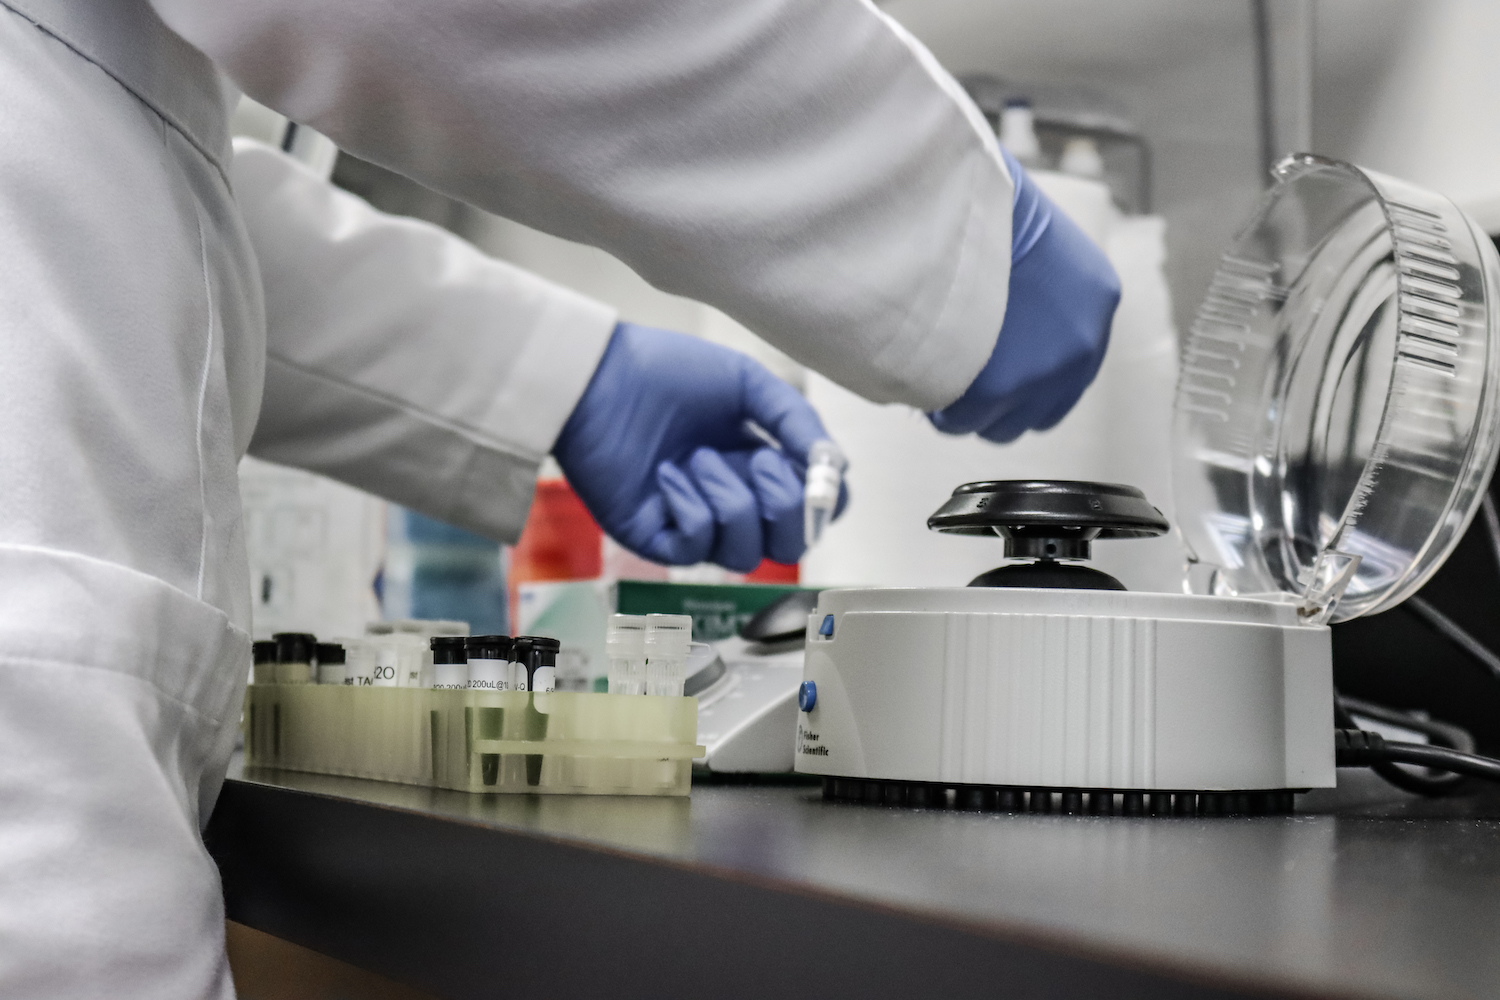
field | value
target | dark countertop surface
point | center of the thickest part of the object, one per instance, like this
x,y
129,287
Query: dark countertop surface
x,y
1365,892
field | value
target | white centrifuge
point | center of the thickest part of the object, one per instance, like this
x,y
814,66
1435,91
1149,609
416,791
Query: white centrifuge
x,y
1336,425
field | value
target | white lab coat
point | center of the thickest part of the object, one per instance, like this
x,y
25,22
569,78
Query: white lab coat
x,y
166,305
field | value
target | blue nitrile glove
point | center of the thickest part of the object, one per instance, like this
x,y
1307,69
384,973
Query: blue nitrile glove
x,y
659,452
1063,294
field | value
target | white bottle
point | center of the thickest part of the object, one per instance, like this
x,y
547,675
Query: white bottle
x,y
1018,132
1080,157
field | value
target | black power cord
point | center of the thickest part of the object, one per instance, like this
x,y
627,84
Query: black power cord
x,y
1362,748
1444,734
1431,786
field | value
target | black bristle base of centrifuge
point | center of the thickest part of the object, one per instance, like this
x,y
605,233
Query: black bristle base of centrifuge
x,y
1064,801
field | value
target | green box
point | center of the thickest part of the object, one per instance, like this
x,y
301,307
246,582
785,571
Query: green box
x,y
718,609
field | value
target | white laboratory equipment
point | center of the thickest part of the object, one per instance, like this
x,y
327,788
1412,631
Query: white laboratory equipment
x,y
1334,427
746,687
747,708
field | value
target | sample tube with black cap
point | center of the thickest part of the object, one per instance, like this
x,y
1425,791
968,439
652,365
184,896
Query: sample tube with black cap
x,y
535,663
265,662
535,660
294,657
333,667
488,661
489,670
450,661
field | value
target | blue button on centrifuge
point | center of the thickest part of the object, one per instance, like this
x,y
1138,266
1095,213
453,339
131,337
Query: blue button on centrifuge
x,y
827,627
807,696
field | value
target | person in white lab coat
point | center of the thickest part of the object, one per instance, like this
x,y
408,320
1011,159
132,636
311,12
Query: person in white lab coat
x,y
166,305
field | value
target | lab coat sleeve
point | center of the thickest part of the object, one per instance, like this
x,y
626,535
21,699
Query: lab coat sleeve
x,y
804,166
402,360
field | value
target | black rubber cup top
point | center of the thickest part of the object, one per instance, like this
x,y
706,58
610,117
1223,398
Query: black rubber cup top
x,y
1090,510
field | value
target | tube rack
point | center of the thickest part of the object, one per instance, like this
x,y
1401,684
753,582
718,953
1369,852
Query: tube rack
x,y
477,741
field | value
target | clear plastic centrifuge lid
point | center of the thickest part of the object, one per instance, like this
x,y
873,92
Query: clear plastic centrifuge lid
x,y
1336,408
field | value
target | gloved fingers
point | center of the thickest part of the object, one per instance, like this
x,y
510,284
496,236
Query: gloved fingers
x,y
738,545
783,411
684,533
1006,429
953,420
1062,392
778,490
1065,399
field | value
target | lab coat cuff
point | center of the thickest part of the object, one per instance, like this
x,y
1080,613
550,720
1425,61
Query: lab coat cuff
x,y
545,380
944,363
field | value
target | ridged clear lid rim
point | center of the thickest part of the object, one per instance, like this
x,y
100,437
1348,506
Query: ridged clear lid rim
x,y
1336,410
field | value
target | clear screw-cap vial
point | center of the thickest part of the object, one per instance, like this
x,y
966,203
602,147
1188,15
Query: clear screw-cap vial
x,y
625,644
667,640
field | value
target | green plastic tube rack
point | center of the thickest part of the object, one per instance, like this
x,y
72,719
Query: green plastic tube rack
x,y
477,741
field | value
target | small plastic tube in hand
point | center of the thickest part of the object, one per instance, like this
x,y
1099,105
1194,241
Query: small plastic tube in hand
x,y
667,640
820,494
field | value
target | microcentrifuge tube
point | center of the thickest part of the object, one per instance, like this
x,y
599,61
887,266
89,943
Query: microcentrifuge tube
x,y
450,661
333,666
667,640
625,645
294,657
820,497
489,662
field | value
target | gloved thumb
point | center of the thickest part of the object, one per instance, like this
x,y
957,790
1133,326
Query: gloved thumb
x,y
781,410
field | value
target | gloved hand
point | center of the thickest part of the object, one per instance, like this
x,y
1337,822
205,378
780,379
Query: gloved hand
x,y
657,448
1063,294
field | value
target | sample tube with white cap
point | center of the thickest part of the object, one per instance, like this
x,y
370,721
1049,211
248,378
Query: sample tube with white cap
x,y
359,662
667,640
820,494
413,660
625,644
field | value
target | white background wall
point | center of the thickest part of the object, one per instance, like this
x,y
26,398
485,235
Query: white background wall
x,y
1414,90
